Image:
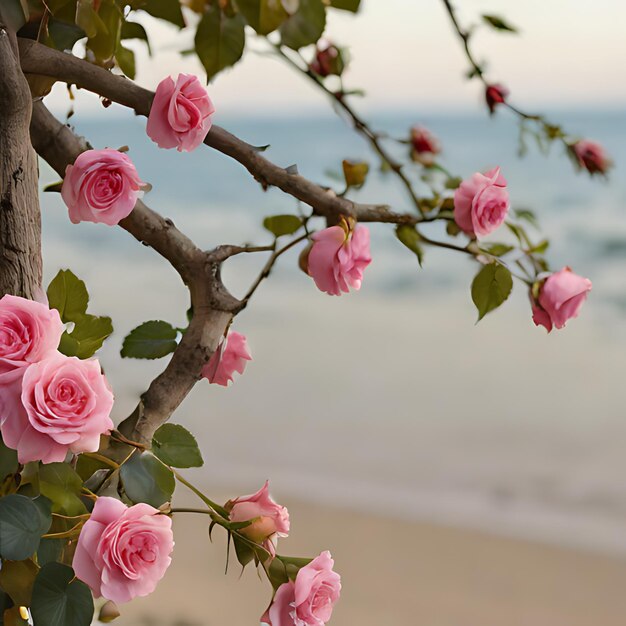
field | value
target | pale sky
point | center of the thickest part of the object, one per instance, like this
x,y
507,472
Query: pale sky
x,y
570,53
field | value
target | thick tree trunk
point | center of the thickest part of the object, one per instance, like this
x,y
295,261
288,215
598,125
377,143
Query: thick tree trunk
x,y
20,219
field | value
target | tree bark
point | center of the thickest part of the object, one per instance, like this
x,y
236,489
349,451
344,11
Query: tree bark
x,y
20,219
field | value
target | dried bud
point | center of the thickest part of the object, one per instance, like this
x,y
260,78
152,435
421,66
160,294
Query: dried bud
x,y
495,95
329,60
303,259
591,156
355,173
108,612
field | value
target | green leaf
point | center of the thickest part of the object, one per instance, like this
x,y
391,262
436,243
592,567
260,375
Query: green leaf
x,y
15,13
490,288
8,461
168,10
63,35
21,527
499,23
346,5
88,335
176,446
305,26
150,340
280,225
88,19
219,40
17,579
61,485
264,16
496,249
68,295
134,30
104,43
147,480
49,551
60,599
409,236
126,60
540,248
527,215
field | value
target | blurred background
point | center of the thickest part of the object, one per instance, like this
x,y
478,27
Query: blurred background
x,y
461,474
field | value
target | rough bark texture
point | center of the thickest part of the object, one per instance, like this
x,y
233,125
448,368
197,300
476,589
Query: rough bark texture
x,y
20,220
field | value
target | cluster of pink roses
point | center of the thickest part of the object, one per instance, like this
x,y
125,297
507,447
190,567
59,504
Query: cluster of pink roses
x,y
307,601
50,404
102,186
123,552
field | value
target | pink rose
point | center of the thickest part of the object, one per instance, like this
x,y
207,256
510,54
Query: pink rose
x,y
495,95
338,258
560,298
591,156
102,187
423,141
181,112
481,203
271,520
308,601
64,406
29,332
230,357
123,552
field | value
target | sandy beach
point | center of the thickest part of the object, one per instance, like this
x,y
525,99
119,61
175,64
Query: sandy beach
x,y
394,573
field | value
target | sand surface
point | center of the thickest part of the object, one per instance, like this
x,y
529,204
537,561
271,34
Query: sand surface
x,y
394,573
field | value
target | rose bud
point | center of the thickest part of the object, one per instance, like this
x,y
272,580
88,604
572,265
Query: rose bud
x,y
495,95
481,203
591,156
329,60
123,552
309,601
270,520
181,113
339,257
423,143
230,357
560,298
424,146
102,186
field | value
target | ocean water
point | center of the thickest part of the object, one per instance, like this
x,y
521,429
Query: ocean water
x,y
390,400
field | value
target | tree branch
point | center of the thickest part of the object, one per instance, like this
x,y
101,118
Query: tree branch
x,y
213,306
39,59
20,220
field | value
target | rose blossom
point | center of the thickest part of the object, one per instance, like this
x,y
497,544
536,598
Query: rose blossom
x,y
271,520
122,552
591,156
338,257
65,405
560,298
481,203
181,112
29,332
102,186
230,357
308,601
423,141
495,95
